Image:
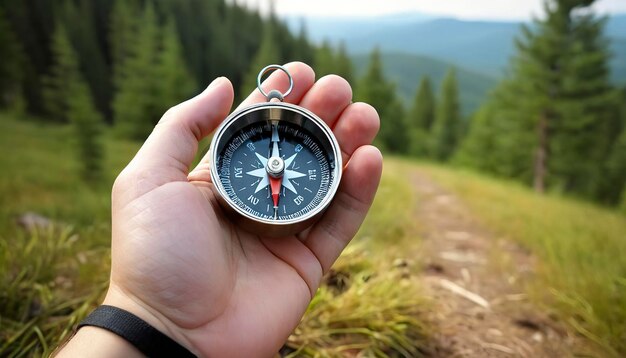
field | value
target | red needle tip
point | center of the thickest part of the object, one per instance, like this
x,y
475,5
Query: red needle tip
x,y
275,185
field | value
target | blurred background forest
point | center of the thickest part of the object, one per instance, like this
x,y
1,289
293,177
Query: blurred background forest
x,y
82,83
553,118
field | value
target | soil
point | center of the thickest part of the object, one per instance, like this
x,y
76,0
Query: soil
x,y
476,281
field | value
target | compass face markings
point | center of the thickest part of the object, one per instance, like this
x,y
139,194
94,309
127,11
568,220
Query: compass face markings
x,y
304,186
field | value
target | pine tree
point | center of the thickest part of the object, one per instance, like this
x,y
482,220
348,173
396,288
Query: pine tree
x,y
583,129
175,82
63,71
324,60
87,124
268,54
446,129
614,174
421,117
374,89
10,66
122,33
343,64
563,90
136,105
553,122
245,36
71,100
394,128
498,140
79,21
303,51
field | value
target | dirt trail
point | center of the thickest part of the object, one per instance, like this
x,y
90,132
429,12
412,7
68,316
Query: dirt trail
x,y
476,282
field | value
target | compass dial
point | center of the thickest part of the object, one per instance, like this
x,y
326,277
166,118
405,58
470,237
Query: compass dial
x,y
276,164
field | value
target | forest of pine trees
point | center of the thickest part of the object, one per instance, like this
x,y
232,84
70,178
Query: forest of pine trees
x,y
554,122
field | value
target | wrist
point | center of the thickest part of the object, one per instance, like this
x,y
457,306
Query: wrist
x,y
118,298
96,342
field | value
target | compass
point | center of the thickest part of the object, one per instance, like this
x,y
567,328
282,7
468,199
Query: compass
x,y
275,166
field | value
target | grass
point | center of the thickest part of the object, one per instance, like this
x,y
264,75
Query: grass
x,y
367,305
47,285
370,304
50,278
581,247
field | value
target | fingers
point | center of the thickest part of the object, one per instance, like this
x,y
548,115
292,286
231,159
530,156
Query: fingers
x,y
357,126
328,98
173,143
344,217
297,256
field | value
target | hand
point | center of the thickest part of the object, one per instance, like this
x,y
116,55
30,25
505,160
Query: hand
x,y
181,265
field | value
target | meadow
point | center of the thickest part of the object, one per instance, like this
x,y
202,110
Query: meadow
x,y
53,275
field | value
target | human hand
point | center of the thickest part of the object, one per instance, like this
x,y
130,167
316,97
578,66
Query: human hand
x,y
182,266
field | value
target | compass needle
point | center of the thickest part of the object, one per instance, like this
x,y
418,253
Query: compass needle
x,y
275,141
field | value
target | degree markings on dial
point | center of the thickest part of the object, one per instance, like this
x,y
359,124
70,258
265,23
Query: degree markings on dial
x,y
255,183
301,140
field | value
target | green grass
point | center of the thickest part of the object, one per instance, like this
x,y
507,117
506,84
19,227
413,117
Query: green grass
x,y
369,304
581,247
40,173
51,278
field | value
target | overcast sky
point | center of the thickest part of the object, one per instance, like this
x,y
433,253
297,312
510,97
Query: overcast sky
x,y
463,9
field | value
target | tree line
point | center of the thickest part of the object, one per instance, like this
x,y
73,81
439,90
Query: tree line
x,y
124,62
555,121
431,127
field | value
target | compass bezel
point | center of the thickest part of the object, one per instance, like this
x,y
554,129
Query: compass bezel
x,y
262,113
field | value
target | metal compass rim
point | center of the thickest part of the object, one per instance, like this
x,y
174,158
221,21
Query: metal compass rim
x,y
336,152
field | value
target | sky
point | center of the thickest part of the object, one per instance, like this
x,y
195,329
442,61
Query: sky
x,y
462,9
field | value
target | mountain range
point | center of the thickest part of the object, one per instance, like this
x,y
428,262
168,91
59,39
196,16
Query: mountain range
x,y
406,70
416,44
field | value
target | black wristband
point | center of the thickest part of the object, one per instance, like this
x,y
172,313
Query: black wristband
x,y
147,339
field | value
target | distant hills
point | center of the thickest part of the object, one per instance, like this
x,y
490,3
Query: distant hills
x,y
480,46
419,44
406,70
